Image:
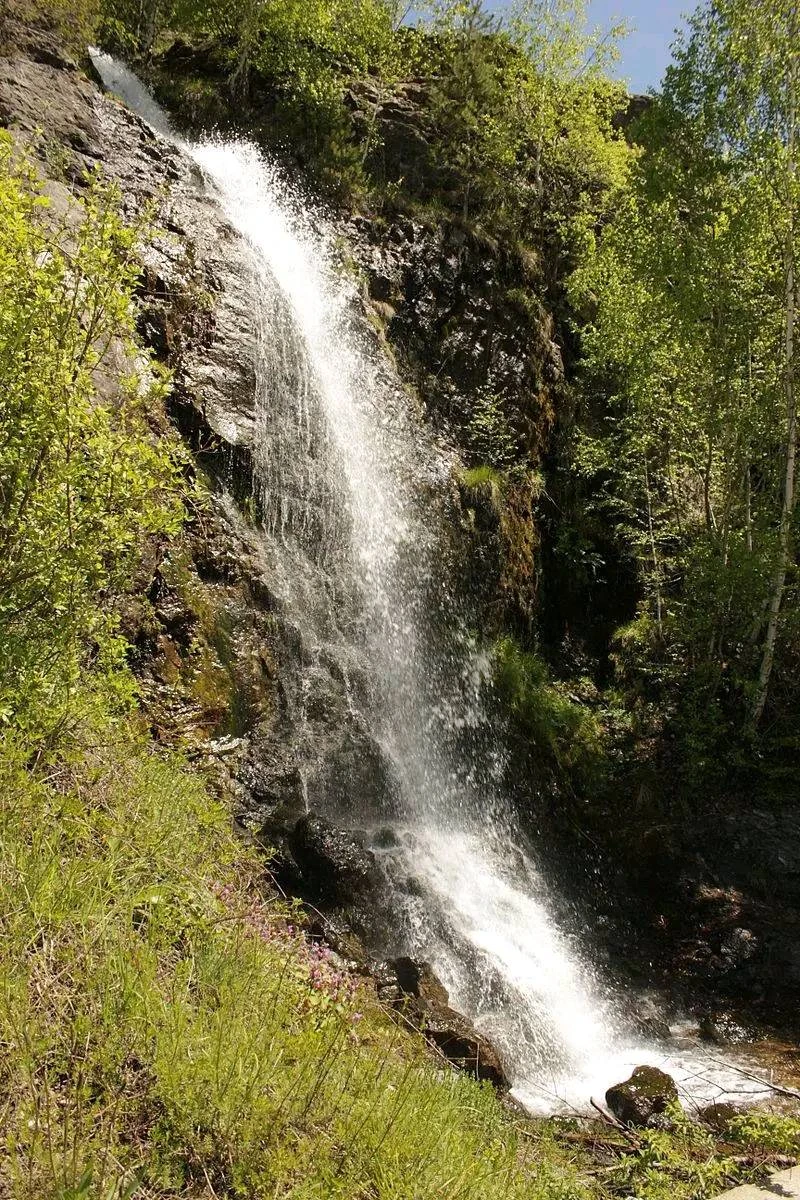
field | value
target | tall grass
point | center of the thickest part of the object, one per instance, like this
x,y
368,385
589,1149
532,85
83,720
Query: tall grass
x,y
165,1030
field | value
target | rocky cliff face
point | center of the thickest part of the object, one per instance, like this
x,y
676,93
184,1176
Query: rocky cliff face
x,y
224,664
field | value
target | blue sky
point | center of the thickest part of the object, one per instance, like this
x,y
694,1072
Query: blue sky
x,y
645,53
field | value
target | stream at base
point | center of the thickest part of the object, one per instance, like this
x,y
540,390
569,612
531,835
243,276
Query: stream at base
x,y
353,493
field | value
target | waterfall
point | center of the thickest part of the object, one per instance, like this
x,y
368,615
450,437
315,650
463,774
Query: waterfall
x,y
355,494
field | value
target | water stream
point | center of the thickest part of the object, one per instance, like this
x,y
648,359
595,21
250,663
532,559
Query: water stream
x,y
354,495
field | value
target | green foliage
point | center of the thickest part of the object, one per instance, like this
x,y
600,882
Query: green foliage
x,y
678,1161
557,727
682,1160
82,477
769,1133
306,53
489,435
689,374
522,112
468,100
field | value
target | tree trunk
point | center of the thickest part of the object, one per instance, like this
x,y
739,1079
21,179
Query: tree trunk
x,y
654,551
788,506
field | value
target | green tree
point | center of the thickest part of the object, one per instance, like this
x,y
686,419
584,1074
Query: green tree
x,y
735,84
566,90
468,97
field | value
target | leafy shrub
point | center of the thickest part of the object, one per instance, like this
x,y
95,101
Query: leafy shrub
x,y
769,1133
489,435
82,478
678,1161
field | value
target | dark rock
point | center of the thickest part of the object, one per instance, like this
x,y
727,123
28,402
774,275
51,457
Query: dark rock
x,y
387,984
337,934
414,989
642,1097
739,946
636,107
333,864
650,1018
723,1029
467,1051
36,95
719,1115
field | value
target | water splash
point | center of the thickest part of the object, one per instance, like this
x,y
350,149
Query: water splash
x,y
355,492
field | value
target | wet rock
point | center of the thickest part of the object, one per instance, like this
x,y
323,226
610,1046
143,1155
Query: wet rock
x,y
412,988
51,97
723,1029
739,946
225,746
718,1116
344,942
642,1097
650,1018
387,984
332,863
274,780
467,1051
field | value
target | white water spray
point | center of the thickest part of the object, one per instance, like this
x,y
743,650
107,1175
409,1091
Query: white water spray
x,y
465,894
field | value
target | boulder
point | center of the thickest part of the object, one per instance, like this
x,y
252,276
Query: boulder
x,y
723,1029
411,987
644,1096
718,1116
333,864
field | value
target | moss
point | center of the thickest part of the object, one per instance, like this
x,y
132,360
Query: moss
x,y
511,496
558,728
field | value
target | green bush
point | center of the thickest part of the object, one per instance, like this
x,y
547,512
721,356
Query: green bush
x,y
678,1161
82,477
489,435
682,1160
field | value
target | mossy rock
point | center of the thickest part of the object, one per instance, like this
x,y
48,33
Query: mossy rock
x,y
645,1095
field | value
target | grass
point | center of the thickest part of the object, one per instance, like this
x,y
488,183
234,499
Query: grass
x,y
483,476
166,1031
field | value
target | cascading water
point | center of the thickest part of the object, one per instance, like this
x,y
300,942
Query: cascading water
x,y
362,500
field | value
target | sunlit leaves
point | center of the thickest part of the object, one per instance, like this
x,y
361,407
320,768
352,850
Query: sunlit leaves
x,y
81,480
